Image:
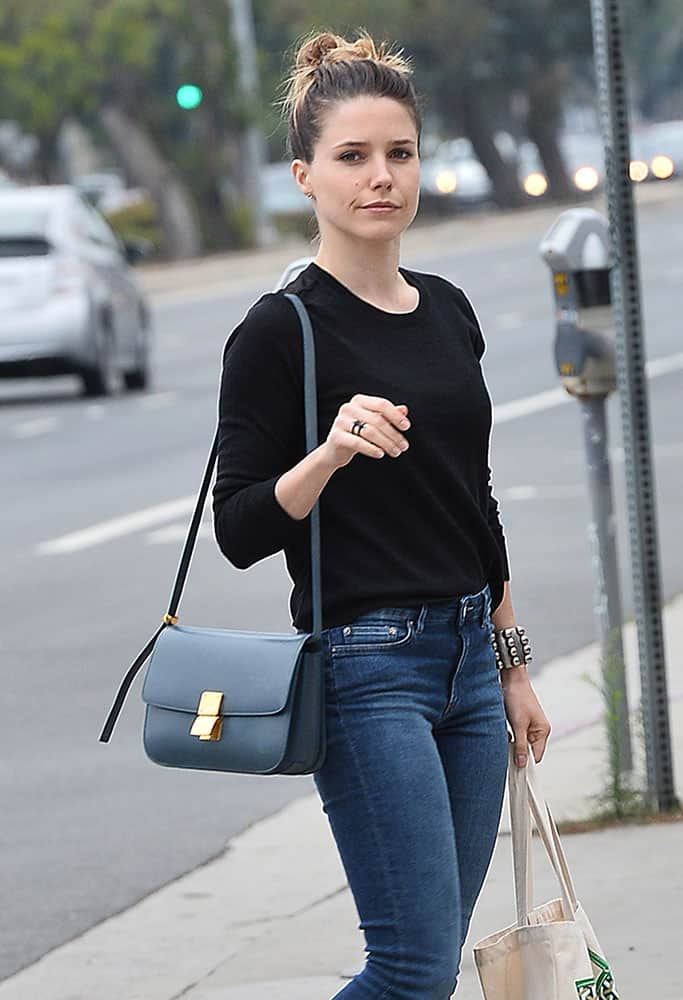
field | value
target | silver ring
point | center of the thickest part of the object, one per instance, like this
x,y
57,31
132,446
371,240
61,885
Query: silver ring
x,y
357,427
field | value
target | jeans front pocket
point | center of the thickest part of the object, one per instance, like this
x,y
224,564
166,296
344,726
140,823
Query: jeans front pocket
x,y
371,636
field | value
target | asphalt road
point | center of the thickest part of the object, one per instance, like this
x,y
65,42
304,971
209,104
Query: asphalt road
x,y
88,829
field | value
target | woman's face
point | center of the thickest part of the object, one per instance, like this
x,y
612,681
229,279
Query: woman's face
x,y
367,152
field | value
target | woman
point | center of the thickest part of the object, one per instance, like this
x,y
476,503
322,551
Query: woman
x,y
414,566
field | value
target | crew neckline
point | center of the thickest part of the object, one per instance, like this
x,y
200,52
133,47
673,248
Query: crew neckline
x,y
406,318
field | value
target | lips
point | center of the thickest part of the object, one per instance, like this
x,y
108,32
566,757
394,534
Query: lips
x,y
381,204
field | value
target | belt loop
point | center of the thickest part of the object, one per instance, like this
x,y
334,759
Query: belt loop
x,y
421,618
485,607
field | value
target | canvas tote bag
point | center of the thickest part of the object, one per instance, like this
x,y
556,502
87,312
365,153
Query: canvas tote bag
x,y
551,952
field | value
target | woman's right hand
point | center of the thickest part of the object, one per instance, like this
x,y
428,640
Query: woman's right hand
x,y
381,435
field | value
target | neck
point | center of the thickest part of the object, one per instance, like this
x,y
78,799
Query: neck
x,y
369,268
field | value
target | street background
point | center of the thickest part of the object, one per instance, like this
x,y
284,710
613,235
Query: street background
x,y
145,883
93,828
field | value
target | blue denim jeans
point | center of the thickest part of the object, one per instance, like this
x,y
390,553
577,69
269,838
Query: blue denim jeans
x,y
413,784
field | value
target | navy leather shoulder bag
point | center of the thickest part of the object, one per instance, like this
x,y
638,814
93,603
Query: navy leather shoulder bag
x,y
230,700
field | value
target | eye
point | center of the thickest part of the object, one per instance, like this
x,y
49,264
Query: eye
x,y
406,154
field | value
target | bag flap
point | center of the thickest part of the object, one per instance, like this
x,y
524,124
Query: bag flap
x,y
253,670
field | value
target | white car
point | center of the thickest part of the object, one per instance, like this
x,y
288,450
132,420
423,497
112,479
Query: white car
x,y
68,301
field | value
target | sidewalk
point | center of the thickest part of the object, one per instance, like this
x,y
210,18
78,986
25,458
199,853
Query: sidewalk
x,y
273,919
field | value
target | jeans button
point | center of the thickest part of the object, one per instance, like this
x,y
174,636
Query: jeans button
x,y
347,630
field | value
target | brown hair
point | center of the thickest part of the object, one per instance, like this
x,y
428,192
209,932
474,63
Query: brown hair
x,y
329,68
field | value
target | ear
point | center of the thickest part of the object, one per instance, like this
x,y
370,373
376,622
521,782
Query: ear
x,y
300,175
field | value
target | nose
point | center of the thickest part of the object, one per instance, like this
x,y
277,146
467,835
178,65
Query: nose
x,y
381,174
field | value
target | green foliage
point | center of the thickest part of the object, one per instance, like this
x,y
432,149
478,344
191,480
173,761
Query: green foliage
x,y
619,799
139,221
43,74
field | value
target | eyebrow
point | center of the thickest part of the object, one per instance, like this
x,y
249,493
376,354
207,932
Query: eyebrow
x,y
361,142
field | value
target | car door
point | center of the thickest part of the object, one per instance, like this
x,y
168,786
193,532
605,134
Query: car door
x,y
123,296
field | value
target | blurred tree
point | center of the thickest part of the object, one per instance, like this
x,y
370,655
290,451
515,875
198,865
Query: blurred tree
x,y
540,46
477,63
117,65
654,35
445,37
42,74
146,49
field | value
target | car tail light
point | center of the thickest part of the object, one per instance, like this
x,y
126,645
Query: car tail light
x,y
69,276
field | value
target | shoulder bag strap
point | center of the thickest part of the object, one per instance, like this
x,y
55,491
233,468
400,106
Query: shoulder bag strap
x,y
170,618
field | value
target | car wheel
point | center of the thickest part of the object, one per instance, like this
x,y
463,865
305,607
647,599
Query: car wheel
x,y
139,377
100,379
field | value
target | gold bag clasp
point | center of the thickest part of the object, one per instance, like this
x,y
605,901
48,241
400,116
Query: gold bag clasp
x,y
208,723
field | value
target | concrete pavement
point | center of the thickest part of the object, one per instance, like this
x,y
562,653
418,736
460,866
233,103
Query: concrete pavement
x,y
272,917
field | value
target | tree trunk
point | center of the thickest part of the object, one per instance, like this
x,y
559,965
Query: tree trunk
x,y
542,126
146,167
46,163
506,187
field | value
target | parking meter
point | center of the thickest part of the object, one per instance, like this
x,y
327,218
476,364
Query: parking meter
x,y
576,248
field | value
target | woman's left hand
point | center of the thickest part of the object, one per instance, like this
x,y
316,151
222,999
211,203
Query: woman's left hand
x,y
527,719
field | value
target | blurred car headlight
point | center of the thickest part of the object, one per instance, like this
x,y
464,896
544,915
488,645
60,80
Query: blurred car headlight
x,y
662,167
535,185
638,170
586,178
445,182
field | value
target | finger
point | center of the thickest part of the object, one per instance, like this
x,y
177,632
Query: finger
x,y
538,741
359,443
364,446
521,748
396,415
382,433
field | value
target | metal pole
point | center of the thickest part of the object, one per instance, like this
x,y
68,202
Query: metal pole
x,y
632,384
602,531
253,144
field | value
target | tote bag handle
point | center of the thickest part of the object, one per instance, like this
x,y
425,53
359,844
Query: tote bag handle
x,y
527,800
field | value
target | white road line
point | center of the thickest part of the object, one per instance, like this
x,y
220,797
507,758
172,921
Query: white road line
x,y
531,492
32,428
177,533
530,404
117,527
662,366
95,411
158,400
508,321
516,408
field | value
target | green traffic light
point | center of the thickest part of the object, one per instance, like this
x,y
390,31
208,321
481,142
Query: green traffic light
x,y
188,96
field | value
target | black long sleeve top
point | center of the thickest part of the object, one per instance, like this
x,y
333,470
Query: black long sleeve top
x,y
394,531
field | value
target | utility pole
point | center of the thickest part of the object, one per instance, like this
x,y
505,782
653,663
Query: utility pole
x,y
252,145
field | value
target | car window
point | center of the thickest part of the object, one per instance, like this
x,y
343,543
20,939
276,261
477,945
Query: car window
x,y
93,227
26,220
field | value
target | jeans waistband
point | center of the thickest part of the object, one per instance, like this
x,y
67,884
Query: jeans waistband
x,y
459,610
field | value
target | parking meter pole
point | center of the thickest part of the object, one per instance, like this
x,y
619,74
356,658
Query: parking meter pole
x,y
602,531
576,248
632,384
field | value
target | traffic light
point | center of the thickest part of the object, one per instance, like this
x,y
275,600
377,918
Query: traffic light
x,y
189,96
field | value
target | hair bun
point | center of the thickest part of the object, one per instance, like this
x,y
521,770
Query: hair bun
x,y
312,53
